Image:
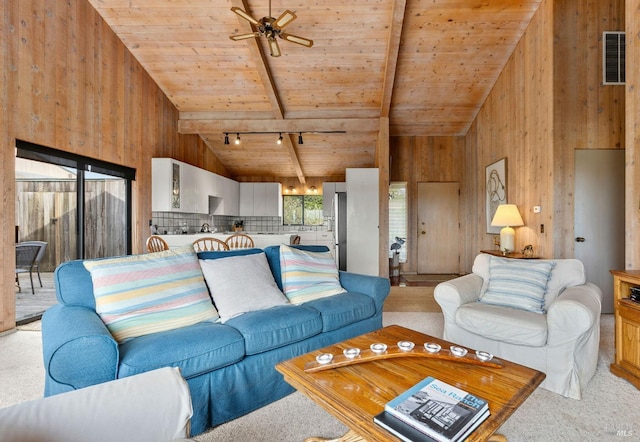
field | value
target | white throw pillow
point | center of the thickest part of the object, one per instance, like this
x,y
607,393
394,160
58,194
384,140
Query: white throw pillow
x,y
241,284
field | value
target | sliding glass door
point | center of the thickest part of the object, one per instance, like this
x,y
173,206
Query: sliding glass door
x,y
79,205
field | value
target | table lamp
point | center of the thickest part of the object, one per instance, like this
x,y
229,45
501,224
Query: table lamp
x,y
507,216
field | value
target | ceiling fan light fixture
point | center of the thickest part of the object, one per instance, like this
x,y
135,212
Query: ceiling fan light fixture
x,y
300,139
237,141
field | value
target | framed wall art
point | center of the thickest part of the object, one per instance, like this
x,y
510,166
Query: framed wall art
x,y
496,190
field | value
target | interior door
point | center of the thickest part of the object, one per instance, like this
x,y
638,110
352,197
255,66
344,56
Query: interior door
x,y
438,228
599,217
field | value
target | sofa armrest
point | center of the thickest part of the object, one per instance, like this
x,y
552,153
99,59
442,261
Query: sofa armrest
x,y
373,286
78,349
573,312
453,293
152,406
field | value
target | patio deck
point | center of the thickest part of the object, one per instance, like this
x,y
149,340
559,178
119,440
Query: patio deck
x,y
30,307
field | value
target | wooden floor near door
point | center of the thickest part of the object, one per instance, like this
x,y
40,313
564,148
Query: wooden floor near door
x,y
415,293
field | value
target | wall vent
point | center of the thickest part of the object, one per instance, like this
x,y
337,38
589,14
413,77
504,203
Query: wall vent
x,y
613,48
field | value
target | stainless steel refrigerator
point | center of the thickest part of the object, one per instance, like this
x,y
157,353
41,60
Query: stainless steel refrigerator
x,y
340,228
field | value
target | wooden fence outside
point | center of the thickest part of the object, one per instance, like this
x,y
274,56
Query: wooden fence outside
x,y
46,211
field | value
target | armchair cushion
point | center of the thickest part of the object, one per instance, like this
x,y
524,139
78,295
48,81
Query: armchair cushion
x,y
565,273
518,327
517,284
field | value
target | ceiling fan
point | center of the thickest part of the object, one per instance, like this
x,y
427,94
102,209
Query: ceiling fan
x,y
271,28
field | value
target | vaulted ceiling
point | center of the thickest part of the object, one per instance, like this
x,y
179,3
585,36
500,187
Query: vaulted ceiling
x,y
427,65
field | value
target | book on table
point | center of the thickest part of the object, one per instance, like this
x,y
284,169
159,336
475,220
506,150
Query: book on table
x,y
439,410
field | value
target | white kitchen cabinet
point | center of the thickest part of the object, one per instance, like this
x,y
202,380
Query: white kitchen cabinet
x,y
194,190
260,199
177,187
230,197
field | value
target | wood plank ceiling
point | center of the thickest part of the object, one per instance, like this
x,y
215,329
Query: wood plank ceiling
x,y
427,65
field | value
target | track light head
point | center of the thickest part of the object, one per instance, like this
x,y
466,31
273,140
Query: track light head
x,y
279,139
237,141
300,139
226,138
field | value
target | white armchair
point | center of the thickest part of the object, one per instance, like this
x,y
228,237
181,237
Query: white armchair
x,y
150,407
562,340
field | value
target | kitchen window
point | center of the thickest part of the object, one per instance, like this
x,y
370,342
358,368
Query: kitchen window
x,y
302,210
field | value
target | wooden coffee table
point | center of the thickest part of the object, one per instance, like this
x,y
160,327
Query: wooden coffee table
x,y
356,393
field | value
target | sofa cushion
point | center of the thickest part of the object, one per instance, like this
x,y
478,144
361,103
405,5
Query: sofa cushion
x,y
341,310
519,284
565,273
197,349
264,330
503,324
308,275
142,294
241,284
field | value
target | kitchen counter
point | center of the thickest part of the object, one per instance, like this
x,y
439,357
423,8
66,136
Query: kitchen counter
x,y
260,240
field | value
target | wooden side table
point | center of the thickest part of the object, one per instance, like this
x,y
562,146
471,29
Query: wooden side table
x,y
514,255
627,326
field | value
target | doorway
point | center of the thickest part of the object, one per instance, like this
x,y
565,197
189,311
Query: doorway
x,y
438,227
599,216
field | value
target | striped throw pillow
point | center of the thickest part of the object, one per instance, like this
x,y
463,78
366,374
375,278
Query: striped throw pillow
x,y
517,283
308,275
143,294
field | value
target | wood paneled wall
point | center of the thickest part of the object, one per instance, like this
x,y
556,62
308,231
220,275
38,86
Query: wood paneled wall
x,y
632,131
587,114
423,159
548,102
69,83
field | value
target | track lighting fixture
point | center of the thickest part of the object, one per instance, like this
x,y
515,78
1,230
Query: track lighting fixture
x,y
280,139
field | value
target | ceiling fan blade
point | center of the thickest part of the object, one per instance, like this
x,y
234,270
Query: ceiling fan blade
x,y
244,36
285,18
275,49
246,16
295,39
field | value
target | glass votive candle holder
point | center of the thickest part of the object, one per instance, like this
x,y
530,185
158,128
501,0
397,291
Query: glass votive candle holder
x,y
458,351
324,358
405,345
484,356
432,347
351,353
378,348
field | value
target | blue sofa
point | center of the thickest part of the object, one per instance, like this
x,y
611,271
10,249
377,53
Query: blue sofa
x,y
229,367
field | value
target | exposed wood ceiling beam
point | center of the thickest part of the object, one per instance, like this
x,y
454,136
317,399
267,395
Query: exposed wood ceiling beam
x,y
287,142
295,125
260,60
269,86
393,48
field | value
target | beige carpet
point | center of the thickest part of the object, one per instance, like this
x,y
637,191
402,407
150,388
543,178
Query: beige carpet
x,y
609,410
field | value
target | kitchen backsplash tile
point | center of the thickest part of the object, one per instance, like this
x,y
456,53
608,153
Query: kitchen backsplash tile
x,y
172,223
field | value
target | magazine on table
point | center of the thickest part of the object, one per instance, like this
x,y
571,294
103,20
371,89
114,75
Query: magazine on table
x,y
440,410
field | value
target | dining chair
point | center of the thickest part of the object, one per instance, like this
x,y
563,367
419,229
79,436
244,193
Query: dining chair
x,y
25,258
239,241
36,264
209,244
156,244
